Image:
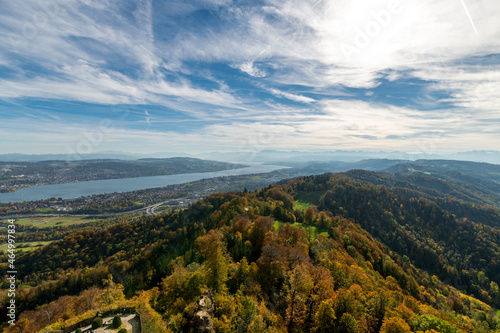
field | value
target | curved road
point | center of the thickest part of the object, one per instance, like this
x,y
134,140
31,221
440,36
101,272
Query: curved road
x,y
149,210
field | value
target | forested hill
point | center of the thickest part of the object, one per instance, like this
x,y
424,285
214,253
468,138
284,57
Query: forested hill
x,y
484,171
430,230
482,176
464,199
470,181
352,252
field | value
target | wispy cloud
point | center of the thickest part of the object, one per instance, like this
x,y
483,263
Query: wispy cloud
x,y
301,72
250,68
293,97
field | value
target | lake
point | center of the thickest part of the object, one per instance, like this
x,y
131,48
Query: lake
x,y
78,189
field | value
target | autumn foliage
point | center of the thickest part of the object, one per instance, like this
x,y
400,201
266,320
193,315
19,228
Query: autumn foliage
x,y
359,258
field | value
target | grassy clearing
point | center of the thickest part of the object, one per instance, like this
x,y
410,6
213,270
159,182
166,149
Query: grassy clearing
x,y
415,170
164,210
44,210
255,177
311,231
311,198
277,225
302,205
50,222
26,246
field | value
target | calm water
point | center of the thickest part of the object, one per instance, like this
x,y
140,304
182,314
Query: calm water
x,y
76,190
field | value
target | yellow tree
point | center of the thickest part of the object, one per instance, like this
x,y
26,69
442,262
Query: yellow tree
x,y
113,291
297,291
213,249
394,325
324,320
22,325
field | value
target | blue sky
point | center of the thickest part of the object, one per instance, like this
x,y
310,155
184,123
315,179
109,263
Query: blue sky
x,y
150,76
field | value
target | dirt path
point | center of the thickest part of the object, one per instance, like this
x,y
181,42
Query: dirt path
x,y
129,322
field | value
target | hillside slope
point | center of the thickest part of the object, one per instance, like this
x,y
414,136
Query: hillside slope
x,y
328,253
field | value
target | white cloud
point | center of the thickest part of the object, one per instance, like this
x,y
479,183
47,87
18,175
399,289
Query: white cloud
x,y
72,46
96,52
340,124
472,87
250,68
293,97
305,41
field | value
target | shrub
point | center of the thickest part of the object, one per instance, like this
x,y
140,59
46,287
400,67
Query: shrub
x,y
122,330
117,322
78,330
96,323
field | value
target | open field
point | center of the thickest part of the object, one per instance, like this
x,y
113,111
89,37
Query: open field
x,y
26,246
310,229
302,205
48,222
424,172
45,210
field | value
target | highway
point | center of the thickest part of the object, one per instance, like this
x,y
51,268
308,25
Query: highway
x,y
149,210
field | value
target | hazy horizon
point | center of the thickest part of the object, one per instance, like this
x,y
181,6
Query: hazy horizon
x,y
267,156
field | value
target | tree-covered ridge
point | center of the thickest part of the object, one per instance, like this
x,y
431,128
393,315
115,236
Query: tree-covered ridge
x,y
477,171
459,251
327,253
440,185
469,181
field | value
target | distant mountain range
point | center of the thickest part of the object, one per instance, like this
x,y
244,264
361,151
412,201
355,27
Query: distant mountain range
x,y
269,156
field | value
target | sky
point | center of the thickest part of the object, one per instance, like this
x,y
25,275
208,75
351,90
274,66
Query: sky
x,y
196,76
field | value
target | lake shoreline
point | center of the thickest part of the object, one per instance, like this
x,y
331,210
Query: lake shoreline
x,y
76,190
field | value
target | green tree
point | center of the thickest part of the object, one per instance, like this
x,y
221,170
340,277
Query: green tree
x,y
348,324
247,312
117,322
96,323
430,322
324,320
309,215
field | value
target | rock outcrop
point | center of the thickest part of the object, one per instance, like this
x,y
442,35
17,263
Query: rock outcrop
x,y
203,318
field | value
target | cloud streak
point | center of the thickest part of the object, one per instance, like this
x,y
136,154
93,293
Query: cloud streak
x,y
303,73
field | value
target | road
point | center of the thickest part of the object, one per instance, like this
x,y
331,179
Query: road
x,y
149,210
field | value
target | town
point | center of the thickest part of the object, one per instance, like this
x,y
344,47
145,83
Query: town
x,y
16,175
172,196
